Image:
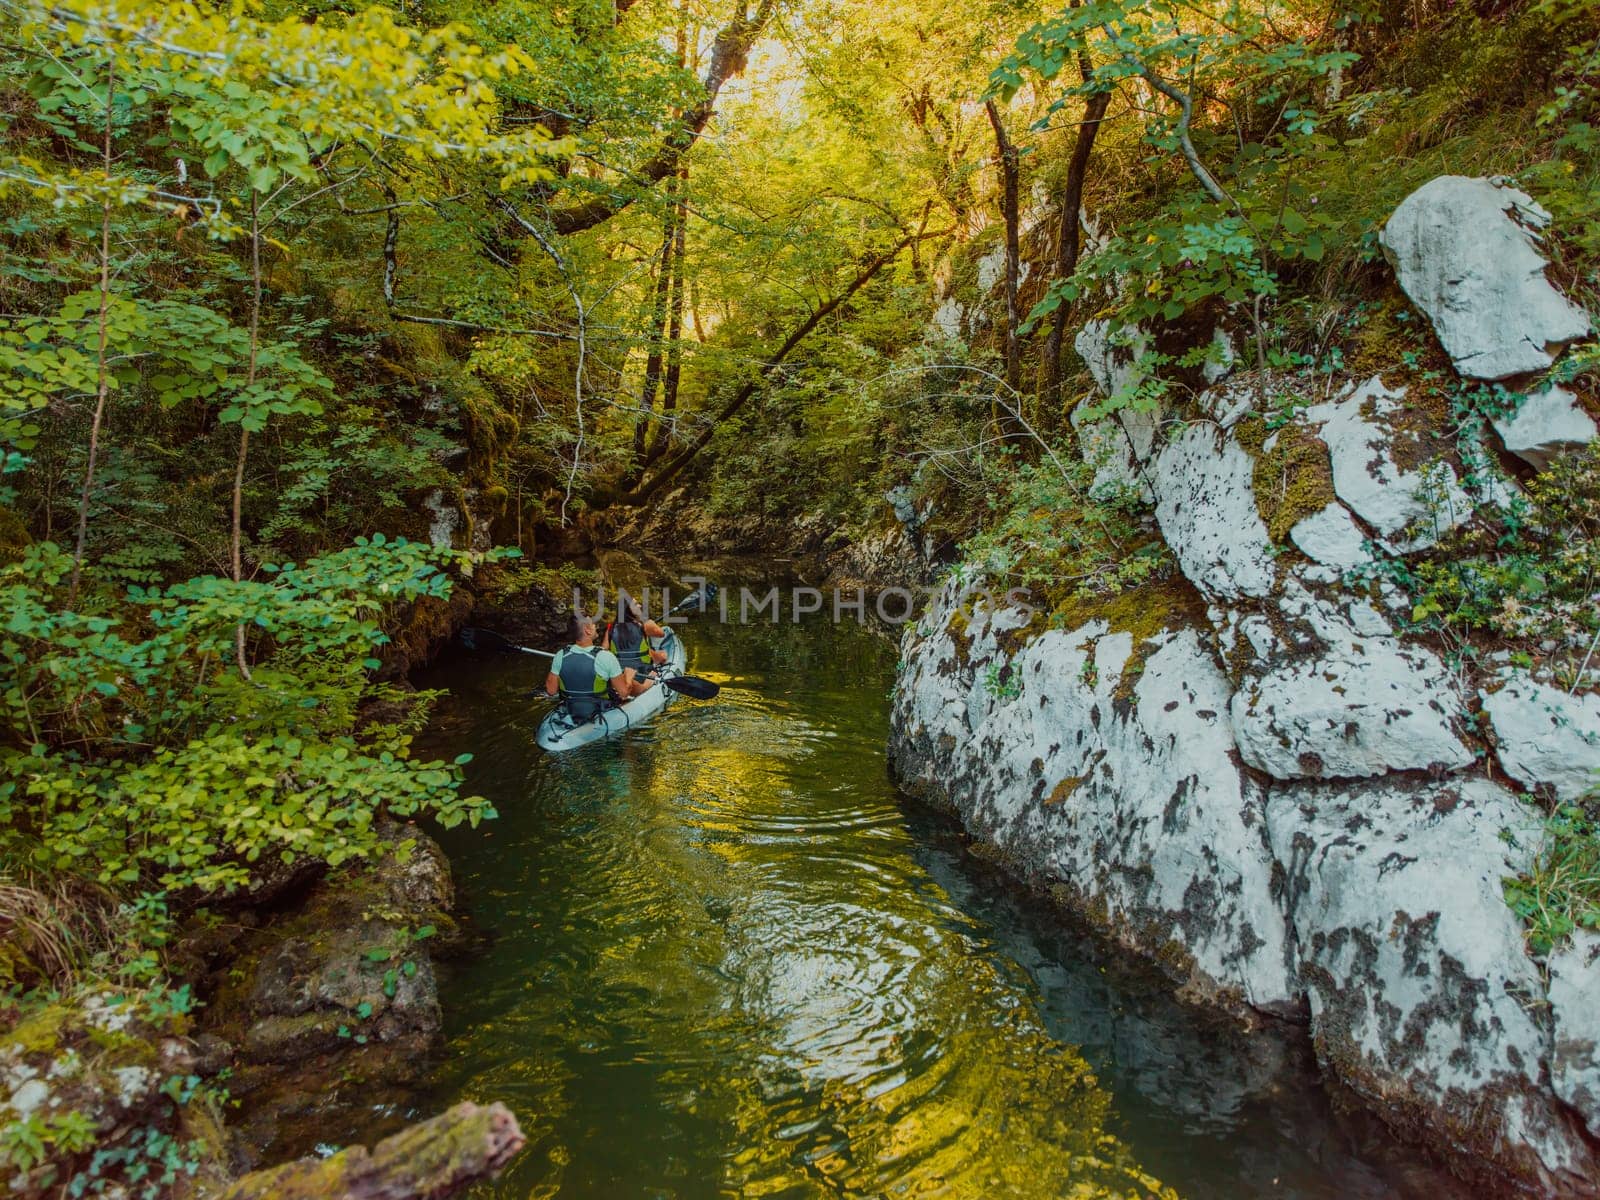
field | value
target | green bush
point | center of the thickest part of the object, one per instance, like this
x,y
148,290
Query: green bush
x,y
1532,582
139,753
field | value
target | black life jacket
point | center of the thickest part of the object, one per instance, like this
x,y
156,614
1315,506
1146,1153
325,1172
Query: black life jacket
x,y
631,645
581,686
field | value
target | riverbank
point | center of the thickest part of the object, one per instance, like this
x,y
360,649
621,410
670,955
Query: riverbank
x,y
1311,760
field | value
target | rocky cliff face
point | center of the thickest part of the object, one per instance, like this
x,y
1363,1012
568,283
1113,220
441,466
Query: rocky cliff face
x,y
1254,775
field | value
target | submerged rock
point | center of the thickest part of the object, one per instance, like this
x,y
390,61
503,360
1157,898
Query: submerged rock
x,y
336,1002
1466,252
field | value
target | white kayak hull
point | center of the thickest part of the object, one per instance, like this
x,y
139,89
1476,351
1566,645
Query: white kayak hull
x,y
559,733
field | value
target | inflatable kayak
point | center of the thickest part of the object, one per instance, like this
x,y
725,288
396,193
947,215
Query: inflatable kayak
x,y
559,732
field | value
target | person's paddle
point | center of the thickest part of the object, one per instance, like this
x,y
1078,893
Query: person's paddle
x,y
692,686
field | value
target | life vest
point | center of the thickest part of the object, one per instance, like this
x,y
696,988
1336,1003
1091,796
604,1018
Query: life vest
x,y
581,686
631,645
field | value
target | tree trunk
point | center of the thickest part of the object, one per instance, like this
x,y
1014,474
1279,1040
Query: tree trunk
x,y
669,281
669,395
728,57
236,541
653,363
1007,159
432,1160
103,385
672,466
1070,240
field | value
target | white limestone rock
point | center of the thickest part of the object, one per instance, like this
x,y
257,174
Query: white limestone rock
x,y
1422,999
1545,423
1364,709
1118,448
1111,772
1109,356
947,322
1466,252
1221,357
1575,1020
1410,510
1335,618
28,1098
1206,506
446,518
1330,536
990,268
1229,403
1545,738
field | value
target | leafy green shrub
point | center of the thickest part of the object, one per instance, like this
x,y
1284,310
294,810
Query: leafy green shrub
x,y
1049,535
1534,582
1560,892
136,755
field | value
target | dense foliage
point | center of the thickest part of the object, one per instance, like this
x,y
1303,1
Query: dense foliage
x,y
290,291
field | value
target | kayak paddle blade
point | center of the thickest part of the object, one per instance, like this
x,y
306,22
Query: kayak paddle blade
x,y
693,686
700,599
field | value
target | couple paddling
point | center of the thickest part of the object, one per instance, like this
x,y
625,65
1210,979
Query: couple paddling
x,y
591,678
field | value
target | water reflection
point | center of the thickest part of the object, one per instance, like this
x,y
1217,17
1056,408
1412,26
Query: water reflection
x,y
720,970
728,961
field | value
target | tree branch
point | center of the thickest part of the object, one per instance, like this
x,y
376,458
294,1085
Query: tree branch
x,y
728,56
1185,103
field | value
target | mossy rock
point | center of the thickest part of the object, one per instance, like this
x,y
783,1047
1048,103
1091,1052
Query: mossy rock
x,y
956,627
1168,601
40,1032
1293,479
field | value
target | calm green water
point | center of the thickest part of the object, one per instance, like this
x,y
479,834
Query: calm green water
x,y
727,959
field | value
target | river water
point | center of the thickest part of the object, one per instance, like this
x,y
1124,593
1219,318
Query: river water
x,y
726,958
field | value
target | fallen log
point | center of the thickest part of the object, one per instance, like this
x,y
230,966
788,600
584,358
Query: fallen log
x,y
431,1160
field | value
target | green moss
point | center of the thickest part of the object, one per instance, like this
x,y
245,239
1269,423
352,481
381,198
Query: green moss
x,y
41,1032
1157,605
956,627
1292,480
119,1048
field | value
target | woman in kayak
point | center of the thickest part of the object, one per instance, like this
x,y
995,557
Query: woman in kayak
x,y
634,640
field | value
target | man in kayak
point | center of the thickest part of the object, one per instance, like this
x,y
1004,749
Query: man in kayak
x,y
583,672
633,639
